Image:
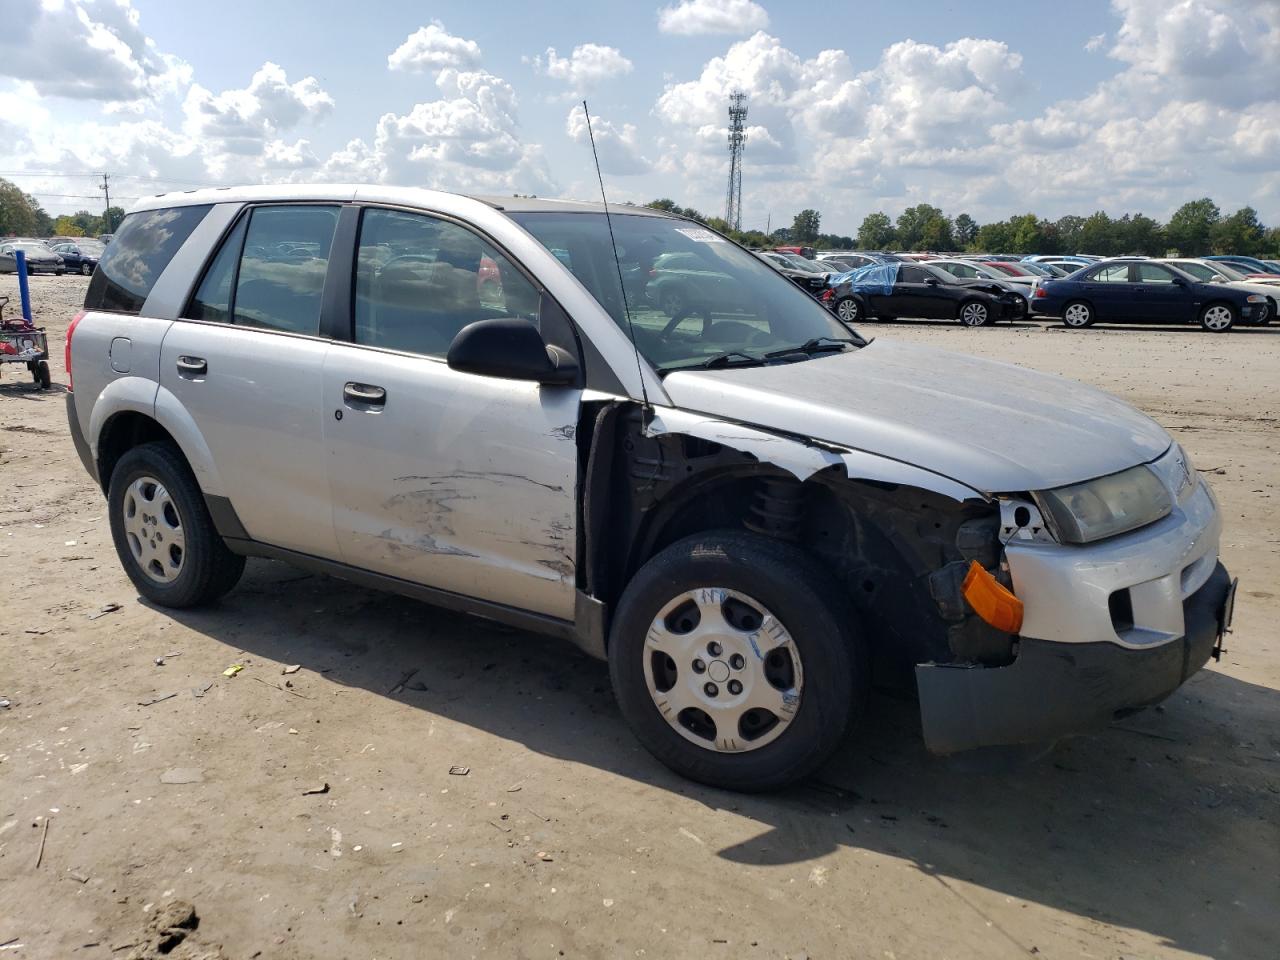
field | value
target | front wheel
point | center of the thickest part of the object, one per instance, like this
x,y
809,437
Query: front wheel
x,y
1078,315
736,661
162,530
1218,317
847,310
85,270
975,313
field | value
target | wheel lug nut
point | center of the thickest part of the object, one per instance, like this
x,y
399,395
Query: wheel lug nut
x,y
735,687
711,689
737,662
714,648
699,666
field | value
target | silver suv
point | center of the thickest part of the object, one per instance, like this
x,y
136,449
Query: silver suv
x,y
749,510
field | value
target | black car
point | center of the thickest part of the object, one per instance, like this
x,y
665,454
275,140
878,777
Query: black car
x,y
889,290
40,259
80,256
814,284
1140,291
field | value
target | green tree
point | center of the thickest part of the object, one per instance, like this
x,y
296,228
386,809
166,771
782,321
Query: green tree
x,y
937,235
993,238
20,214
1097,235
805,227
112,219
1190,228
90,224
966,229
1068,229
66,226
1140,234
1026,234
1239,233
876,232
912,223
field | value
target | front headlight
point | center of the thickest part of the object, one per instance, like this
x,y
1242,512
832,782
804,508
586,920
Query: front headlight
x,y
1105,507
1257,298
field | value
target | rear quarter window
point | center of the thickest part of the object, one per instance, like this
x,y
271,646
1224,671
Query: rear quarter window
x,y
139,253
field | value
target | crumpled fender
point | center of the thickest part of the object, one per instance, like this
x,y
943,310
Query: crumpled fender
x,y
802,459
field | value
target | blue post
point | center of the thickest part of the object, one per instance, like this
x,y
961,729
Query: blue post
x,y
23,291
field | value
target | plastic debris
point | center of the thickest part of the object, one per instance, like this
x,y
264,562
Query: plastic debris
x,y
459,771
155,700
314,791
180,775
292,668
104,610
232,670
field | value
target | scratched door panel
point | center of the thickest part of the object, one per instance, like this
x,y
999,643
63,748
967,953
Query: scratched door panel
x,y
460,482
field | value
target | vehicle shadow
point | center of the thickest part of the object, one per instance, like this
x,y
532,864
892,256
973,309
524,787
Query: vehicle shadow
x,y
1104,827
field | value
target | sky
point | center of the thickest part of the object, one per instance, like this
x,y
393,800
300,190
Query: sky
x,y
990,109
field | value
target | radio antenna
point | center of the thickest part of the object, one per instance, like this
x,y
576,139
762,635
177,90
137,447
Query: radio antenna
x,y
617,261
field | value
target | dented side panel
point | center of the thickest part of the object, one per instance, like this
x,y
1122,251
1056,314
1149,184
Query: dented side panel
x,y
463,482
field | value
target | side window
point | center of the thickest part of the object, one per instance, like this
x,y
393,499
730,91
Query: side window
x,y
419,280
142,248
910,275
1153,273
282,269
212,300
1115,273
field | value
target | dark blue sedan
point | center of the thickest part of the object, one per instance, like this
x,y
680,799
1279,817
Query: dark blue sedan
x,y
81,256
1138,291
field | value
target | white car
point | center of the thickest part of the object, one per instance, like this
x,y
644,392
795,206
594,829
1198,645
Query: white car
x,y
750,511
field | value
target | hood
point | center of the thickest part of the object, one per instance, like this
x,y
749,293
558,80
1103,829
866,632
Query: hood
x,y
1254,286
993,426
982,283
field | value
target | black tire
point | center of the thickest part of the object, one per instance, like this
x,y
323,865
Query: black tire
x,y
847,310
1078,314
42,375
60,271
209,569
974,313
811,607
1218,317
85,270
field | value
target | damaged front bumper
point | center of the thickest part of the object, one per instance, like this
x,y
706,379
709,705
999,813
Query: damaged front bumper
x,y
1053,689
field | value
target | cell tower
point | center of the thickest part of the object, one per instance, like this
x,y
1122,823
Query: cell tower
x,y
737,143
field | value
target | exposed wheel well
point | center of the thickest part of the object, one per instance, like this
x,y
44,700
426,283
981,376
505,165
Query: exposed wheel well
x,y
120,434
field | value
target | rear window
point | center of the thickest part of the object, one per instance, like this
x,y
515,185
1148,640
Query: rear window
x,y
142,248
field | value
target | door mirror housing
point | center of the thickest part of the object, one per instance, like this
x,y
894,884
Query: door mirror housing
x,y
1180,282
930,281
511,348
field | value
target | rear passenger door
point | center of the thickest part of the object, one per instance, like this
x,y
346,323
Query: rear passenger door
x,y
246,363
457,481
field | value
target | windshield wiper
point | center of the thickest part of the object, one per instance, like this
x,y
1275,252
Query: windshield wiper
x,y
730,358
816,345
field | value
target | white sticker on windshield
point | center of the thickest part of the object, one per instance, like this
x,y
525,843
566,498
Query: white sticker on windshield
x,y
699,235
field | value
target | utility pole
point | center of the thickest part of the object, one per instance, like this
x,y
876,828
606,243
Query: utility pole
x,y
768,224
106,211
737,143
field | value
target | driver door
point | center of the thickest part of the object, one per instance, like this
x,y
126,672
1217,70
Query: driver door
x,y
460,482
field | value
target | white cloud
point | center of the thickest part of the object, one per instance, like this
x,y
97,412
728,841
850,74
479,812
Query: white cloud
x,y
84,49
618,146
693,17
242,121
589,63
1095,43
433,48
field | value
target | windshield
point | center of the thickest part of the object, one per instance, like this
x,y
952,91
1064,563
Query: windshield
x,y
1201,271
28,246
693,296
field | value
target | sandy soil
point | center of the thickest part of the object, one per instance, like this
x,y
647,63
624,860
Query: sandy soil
x,y
1156,838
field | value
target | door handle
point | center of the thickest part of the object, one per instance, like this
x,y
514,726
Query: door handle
x,y
363,394
192,366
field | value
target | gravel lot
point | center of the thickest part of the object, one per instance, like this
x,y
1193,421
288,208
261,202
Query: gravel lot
x,y
1156,838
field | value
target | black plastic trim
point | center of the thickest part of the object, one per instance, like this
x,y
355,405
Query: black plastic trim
x,y
225,519
1055,689
587,633
77,438
337,321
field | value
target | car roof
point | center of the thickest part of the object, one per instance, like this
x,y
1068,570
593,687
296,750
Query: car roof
x,y
347,192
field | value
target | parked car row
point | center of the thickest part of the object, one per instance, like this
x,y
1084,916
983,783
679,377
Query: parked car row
x,y
56,255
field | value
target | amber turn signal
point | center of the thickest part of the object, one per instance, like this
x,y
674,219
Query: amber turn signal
x,y
991,600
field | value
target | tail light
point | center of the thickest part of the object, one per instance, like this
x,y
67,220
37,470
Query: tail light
x,y
827,295
71,329
1041,292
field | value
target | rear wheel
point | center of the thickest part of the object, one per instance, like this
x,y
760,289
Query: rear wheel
x,y
736,661
974,313
163,533
1218,317
847,310
41,374
1078,314
85,269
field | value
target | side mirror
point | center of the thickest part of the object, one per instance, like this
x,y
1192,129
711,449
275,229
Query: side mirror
x,y
1179,282
1217,278
931,281
513,349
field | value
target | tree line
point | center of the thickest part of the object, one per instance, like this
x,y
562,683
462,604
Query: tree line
x,y
1197,228
21,215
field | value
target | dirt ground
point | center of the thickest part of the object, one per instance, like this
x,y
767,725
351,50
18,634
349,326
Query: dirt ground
x,y
1159,837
